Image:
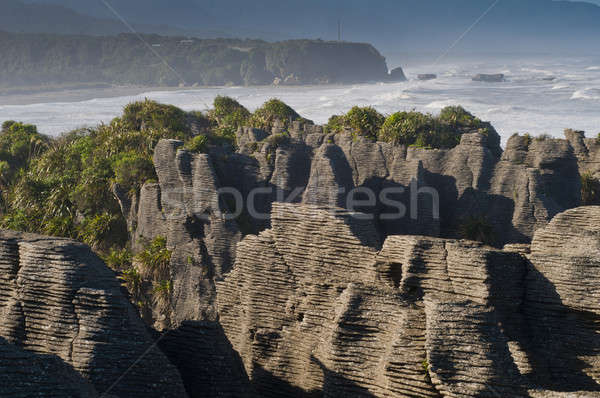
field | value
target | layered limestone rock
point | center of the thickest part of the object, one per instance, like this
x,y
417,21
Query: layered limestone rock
x,y
562,300
316,305
517,191
587,151
184,207
27,374
62,312
413,191
208,364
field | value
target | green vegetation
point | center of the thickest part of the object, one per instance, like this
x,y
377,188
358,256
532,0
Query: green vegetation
x,y
274,109
479,229
96,231
43,59
409,128
277,140
458,117
365,121
132,170
229,112
424,130
198,144
161,294
64,186
118,259
149,114
590,190
228,115
19,144
154,259
133,282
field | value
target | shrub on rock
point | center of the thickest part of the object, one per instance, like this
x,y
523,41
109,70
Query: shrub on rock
x,y
272,110
364,121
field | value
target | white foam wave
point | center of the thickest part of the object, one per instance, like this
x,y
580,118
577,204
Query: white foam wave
x,y
587,94
538,71
593,68
392,96
443,103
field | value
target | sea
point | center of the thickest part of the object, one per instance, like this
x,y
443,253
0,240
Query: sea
x,y
543,95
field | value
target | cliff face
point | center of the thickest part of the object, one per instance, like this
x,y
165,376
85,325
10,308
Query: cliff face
x,y
184,208
562,298
41,59
316,306
587,151
65,322
314,62
516,192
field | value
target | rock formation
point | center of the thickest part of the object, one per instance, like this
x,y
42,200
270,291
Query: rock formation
x,y
561,301
587,151
489,78
184,208
517,191
318,299
427,76
397,75
316,306
24,374
210,62
67,330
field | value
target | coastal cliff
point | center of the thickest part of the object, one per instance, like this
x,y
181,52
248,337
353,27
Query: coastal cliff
x,y
41,60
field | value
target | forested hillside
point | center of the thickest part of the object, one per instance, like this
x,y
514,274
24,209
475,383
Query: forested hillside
x,y
40,59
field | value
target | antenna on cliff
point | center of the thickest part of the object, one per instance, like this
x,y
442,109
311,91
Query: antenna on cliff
x,y
339,30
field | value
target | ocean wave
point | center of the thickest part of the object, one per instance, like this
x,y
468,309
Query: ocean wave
x,y
593,68
393,96
560,86
505,109
587,94
442,104
538,71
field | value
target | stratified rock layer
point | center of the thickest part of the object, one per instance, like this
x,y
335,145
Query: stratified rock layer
x,y
416,191
563,300
316,306
27,374
60,303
